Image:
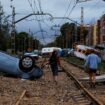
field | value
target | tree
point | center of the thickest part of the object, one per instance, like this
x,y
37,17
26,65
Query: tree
x,y
4,31
68,33
59,41
26,42
21,41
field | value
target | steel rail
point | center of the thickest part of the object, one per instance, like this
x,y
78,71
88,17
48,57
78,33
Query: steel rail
x,y
90,95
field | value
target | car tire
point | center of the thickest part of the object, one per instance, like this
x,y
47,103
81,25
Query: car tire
x,y
26,63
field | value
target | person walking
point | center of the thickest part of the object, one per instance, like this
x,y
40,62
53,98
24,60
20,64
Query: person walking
x,y
92,61
54,62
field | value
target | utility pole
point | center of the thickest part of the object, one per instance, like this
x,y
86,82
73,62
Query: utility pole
x,y
0,21
0,15
1,12
13,29
82,23
79,1
76,31
32,45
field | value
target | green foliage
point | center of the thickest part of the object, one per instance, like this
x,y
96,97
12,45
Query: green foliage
x,y
68,32
4,31
24,41
22,35
81,62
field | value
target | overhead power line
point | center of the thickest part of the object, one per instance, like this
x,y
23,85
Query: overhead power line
x,y
72,8
37,20
79,1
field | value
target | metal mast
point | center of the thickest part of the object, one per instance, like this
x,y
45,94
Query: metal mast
x,y
13,30
1,13
82,23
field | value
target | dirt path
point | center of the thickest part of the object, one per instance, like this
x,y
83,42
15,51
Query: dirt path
x,y
43,91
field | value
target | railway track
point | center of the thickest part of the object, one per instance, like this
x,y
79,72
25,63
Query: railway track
x,y
97,93
84,97
79,93
44,91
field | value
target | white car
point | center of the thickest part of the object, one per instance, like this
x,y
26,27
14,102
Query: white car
x,y
48,50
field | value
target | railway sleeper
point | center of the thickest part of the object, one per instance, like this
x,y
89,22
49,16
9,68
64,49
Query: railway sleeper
x,y
82,101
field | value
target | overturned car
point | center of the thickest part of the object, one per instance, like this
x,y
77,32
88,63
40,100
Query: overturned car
x,y
24,68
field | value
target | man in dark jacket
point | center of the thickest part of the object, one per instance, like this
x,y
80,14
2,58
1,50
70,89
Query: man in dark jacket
x,y
54,63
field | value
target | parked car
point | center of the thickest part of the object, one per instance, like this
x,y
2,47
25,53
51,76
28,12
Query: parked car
x,y
71,52
46,51
64,52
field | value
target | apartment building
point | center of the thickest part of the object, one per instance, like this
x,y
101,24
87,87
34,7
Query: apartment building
x,y
102,30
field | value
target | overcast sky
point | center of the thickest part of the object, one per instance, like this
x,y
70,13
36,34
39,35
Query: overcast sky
x,y
93,10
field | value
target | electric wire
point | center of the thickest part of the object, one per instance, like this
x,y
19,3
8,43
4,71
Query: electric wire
x,y
35,6
41,11
42,16
75,3
89,10
39,2
72,8
38,21
68,7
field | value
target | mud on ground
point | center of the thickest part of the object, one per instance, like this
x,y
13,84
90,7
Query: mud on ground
x,y
43,91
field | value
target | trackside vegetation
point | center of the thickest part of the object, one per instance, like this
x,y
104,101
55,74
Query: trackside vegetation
x,y
80,62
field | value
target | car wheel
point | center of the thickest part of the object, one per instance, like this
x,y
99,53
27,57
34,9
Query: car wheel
x,y
26,63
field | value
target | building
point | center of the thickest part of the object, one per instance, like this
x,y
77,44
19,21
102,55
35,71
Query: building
x,y
98,32
102,30
94,35
89,37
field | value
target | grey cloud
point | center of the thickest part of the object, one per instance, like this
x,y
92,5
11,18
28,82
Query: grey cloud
x,y
92,9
